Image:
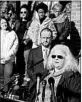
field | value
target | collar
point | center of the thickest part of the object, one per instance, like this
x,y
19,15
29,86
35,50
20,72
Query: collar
x,y
4,32
43,48
60,19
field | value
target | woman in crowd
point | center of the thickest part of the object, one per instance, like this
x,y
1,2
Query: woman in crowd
x,y
9,46
61,22
39,23
21,27
11,16
63,82
66,73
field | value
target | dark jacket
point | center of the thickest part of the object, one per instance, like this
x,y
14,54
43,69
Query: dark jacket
x,y
35,62
62,29
34,66
69,87
20,28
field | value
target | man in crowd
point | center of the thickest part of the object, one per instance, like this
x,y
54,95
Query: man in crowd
x,y
39,54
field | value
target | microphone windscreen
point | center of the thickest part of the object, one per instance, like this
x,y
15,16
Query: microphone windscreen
x,y
39,75
51,80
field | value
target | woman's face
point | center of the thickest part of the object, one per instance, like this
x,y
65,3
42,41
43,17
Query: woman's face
x,y
58,59
56,11
23,13
41,13
3,24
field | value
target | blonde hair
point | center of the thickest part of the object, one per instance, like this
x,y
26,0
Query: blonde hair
x,y
70,61
57,5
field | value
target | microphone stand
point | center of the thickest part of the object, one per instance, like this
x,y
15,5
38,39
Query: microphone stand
x,y
38,76
52,94
51,82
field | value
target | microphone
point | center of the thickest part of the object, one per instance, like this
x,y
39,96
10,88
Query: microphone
x,y
43,93
51,83
38,76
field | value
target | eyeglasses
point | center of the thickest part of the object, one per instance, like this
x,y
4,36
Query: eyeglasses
x,y
24,12
58,56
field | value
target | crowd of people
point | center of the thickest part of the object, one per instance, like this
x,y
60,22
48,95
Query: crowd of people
x,y
40,47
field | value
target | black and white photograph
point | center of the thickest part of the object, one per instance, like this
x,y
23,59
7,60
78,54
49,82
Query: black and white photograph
x,y
40,61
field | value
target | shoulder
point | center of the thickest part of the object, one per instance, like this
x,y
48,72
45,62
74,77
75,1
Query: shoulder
x,y
34,20
28,23
36,49
47,19
71,74
12,34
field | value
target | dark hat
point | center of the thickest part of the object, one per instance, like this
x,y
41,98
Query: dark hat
x,y
42,6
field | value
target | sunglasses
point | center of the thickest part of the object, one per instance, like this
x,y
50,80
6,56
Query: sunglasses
x,y
58,56
10,14
23,12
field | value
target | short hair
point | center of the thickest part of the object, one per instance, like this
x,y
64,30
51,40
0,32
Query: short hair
x,y
70,62
42,6
57,5
46,29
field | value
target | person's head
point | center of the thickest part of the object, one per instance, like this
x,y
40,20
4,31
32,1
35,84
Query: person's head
x,y
57,9
41,10
10,11
46,37
3,23
24,11
61,58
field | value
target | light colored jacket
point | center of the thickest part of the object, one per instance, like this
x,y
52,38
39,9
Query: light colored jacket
x,y
35,29
9,46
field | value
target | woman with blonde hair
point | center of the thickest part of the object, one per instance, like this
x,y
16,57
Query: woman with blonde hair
x,y
62,80
61,22
65,71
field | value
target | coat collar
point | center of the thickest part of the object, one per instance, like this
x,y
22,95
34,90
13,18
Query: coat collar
x,y
65,76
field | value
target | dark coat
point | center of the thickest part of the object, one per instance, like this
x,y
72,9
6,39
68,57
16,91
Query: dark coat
x,y
20,28
62,29
33,67
69,87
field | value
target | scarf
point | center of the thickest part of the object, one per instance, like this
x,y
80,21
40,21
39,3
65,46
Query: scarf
x,y
60,19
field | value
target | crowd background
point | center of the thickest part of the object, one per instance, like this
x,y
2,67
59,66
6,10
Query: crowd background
x,y
30,18
72,9
75,9
11,10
